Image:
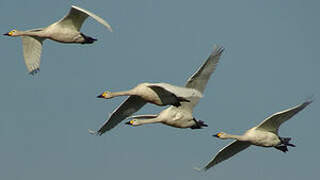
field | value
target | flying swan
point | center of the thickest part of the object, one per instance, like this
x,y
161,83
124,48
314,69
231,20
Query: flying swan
x,y
66,30
265,135
178,115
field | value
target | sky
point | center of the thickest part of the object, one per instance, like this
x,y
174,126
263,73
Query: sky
x,y
270,63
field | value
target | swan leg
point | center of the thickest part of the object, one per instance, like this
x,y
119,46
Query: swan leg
x,y
198,124
87,39
286,141
177,104
180,99
282,148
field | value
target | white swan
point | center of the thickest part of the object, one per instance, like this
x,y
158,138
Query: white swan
x,y
161,94
265,135
179,117
66,30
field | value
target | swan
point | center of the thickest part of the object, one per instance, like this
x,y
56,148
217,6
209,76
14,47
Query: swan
x,y
264,135
175,116
66,30
161,94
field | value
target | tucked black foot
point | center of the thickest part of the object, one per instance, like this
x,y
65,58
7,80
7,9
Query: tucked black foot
x,y
177,104
282,148
286,141
199,124
181,99
88,39
35,71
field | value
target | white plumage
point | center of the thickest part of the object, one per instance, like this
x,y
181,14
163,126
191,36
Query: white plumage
x,y
265,135
65,30
176,116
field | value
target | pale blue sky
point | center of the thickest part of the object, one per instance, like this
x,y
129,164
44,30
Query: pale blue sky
x,y
270,63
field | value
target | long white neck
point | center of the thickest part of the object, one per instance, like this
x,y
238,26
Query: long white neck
x,y
30,33
231,136
148,121
122,93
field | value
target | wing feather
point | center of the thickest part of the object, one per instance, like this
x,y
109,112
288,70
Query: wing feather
x,y
201,77
273,122
76,16
227,152
32,47
131,105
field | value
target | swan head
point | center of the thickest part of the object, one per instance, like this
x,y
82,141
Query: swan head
x,y
11,33
133,122
105,95
220,135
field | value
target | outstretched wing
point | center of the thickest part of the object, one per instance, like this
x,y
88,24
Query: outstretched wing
x,y
227,152
131,105
200,78
273,122
32,47
76,16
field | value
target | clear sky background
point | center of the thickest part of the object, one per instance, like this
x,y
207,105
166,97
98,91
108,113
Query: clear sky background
x,y
270,63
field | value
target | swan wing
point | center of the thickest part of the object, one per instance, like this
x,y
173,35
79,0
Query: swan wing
x,y
131,105
76,16
227,152
171,95
32,47
273,122
178,91
200,78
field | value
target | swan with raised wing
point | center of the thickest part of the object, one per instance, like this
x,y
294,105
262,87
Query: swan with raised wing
x,y
264,135
66,30
179,116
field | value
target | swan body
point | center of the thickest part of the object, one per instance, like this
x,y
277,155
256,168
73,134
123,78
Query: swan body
x,y
161,94
65,30
264,135
172,116
176,116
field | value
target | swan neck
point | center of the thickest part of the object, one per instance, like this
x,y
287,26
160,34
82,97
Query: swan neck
x,y
27,33
148,121
122,93
232,136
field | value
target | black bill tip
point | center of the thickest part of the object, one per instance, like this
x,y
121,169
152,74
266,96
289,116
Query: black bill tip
x,y
215,135
100,96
